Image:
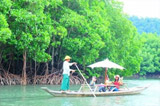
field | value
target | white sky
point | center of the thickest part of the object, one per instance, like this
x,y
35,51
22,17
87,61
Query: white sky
x,y
142,8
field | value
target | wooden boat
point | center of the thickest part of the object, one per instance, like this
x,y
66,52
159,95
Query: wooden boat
x,y
128,91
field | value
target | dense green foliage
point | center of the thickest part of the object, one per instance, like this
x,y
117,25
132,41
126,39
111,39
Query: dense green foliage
x,y
149,29
150,54
44,31
148,25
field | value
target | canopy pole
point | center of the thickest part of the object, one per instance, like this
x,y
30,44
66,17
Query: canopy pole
x,y
106,76
85,81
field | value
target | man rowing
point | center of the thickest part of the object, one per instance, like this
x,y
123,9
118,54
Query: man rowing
x,y
66,73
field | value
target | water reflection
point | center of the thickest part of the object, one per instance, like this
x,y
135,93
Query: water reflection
x,y
66,102
91,101
34,96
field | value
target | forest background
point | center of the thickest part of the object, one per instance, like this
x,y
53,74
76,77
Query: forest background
x,y
36,35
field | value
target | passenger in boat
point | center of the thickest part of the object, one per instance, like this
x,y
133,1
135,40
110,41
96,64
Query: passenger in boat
x,y
105,86
102,88
117,83
66,73
93,82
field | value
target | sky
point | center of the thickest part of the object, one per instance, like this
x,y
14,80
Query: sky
x,y
142,8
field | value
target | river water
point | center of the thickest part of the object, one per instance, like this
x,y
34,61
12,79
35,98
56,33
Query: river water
x,y
31,95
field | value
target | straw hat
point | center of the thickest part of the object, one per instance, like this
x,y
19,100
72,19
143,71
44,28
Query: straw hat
x,y
67,57
94,77
116,76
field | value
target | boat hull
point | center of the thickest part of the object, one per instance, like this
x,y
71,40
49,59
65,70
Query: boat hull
x,y
131,91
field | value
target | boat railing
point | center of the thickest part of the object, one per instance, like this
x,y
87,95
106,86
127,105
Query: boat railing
x,y
85,88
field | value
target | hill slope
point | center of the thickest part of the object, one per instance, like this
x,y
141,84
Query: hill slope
x,y
148,25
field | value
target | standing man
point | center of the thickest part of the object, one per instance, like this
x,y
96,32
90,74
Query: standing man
x,y
66,73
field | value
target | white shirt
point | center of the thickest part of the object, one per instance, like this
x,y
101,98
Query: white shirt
x,y
66,67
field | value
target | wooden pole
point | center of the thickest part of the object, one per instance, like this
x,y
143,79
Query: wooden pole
x,y
106,76
85,81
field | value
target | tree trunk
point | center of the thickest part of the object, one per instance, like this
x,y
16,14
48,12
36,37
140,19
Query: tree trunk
x,y
60,52
46,71
84,68
52,63
24,76
35,73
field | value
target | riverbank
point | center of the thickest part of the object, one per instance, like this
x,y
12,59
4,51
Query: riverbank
x,y
55,79
149,76
50,79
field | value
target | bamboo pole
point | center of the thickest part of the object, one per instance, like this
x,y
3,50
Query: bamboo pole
x,y
85,81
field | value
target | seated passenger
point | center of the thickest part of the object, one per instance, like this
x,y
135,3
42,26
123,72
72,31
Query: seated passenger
x,y
102,87
92,82
117,83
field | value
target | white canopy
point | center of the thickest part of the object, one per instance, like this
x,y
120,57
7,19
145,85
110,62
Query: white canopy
x,y
106,64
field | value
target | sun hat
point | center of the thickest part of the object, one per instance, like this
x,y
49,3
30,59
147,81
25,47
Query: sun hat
x,y
67,57
116,76
94,77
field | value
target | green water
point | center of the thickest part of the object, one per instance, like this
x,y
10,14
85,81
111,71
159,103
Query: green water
x,y
33,96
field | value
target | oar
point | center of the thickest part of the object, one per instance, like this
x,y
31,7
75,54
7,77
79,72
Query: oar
x,y
85,80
